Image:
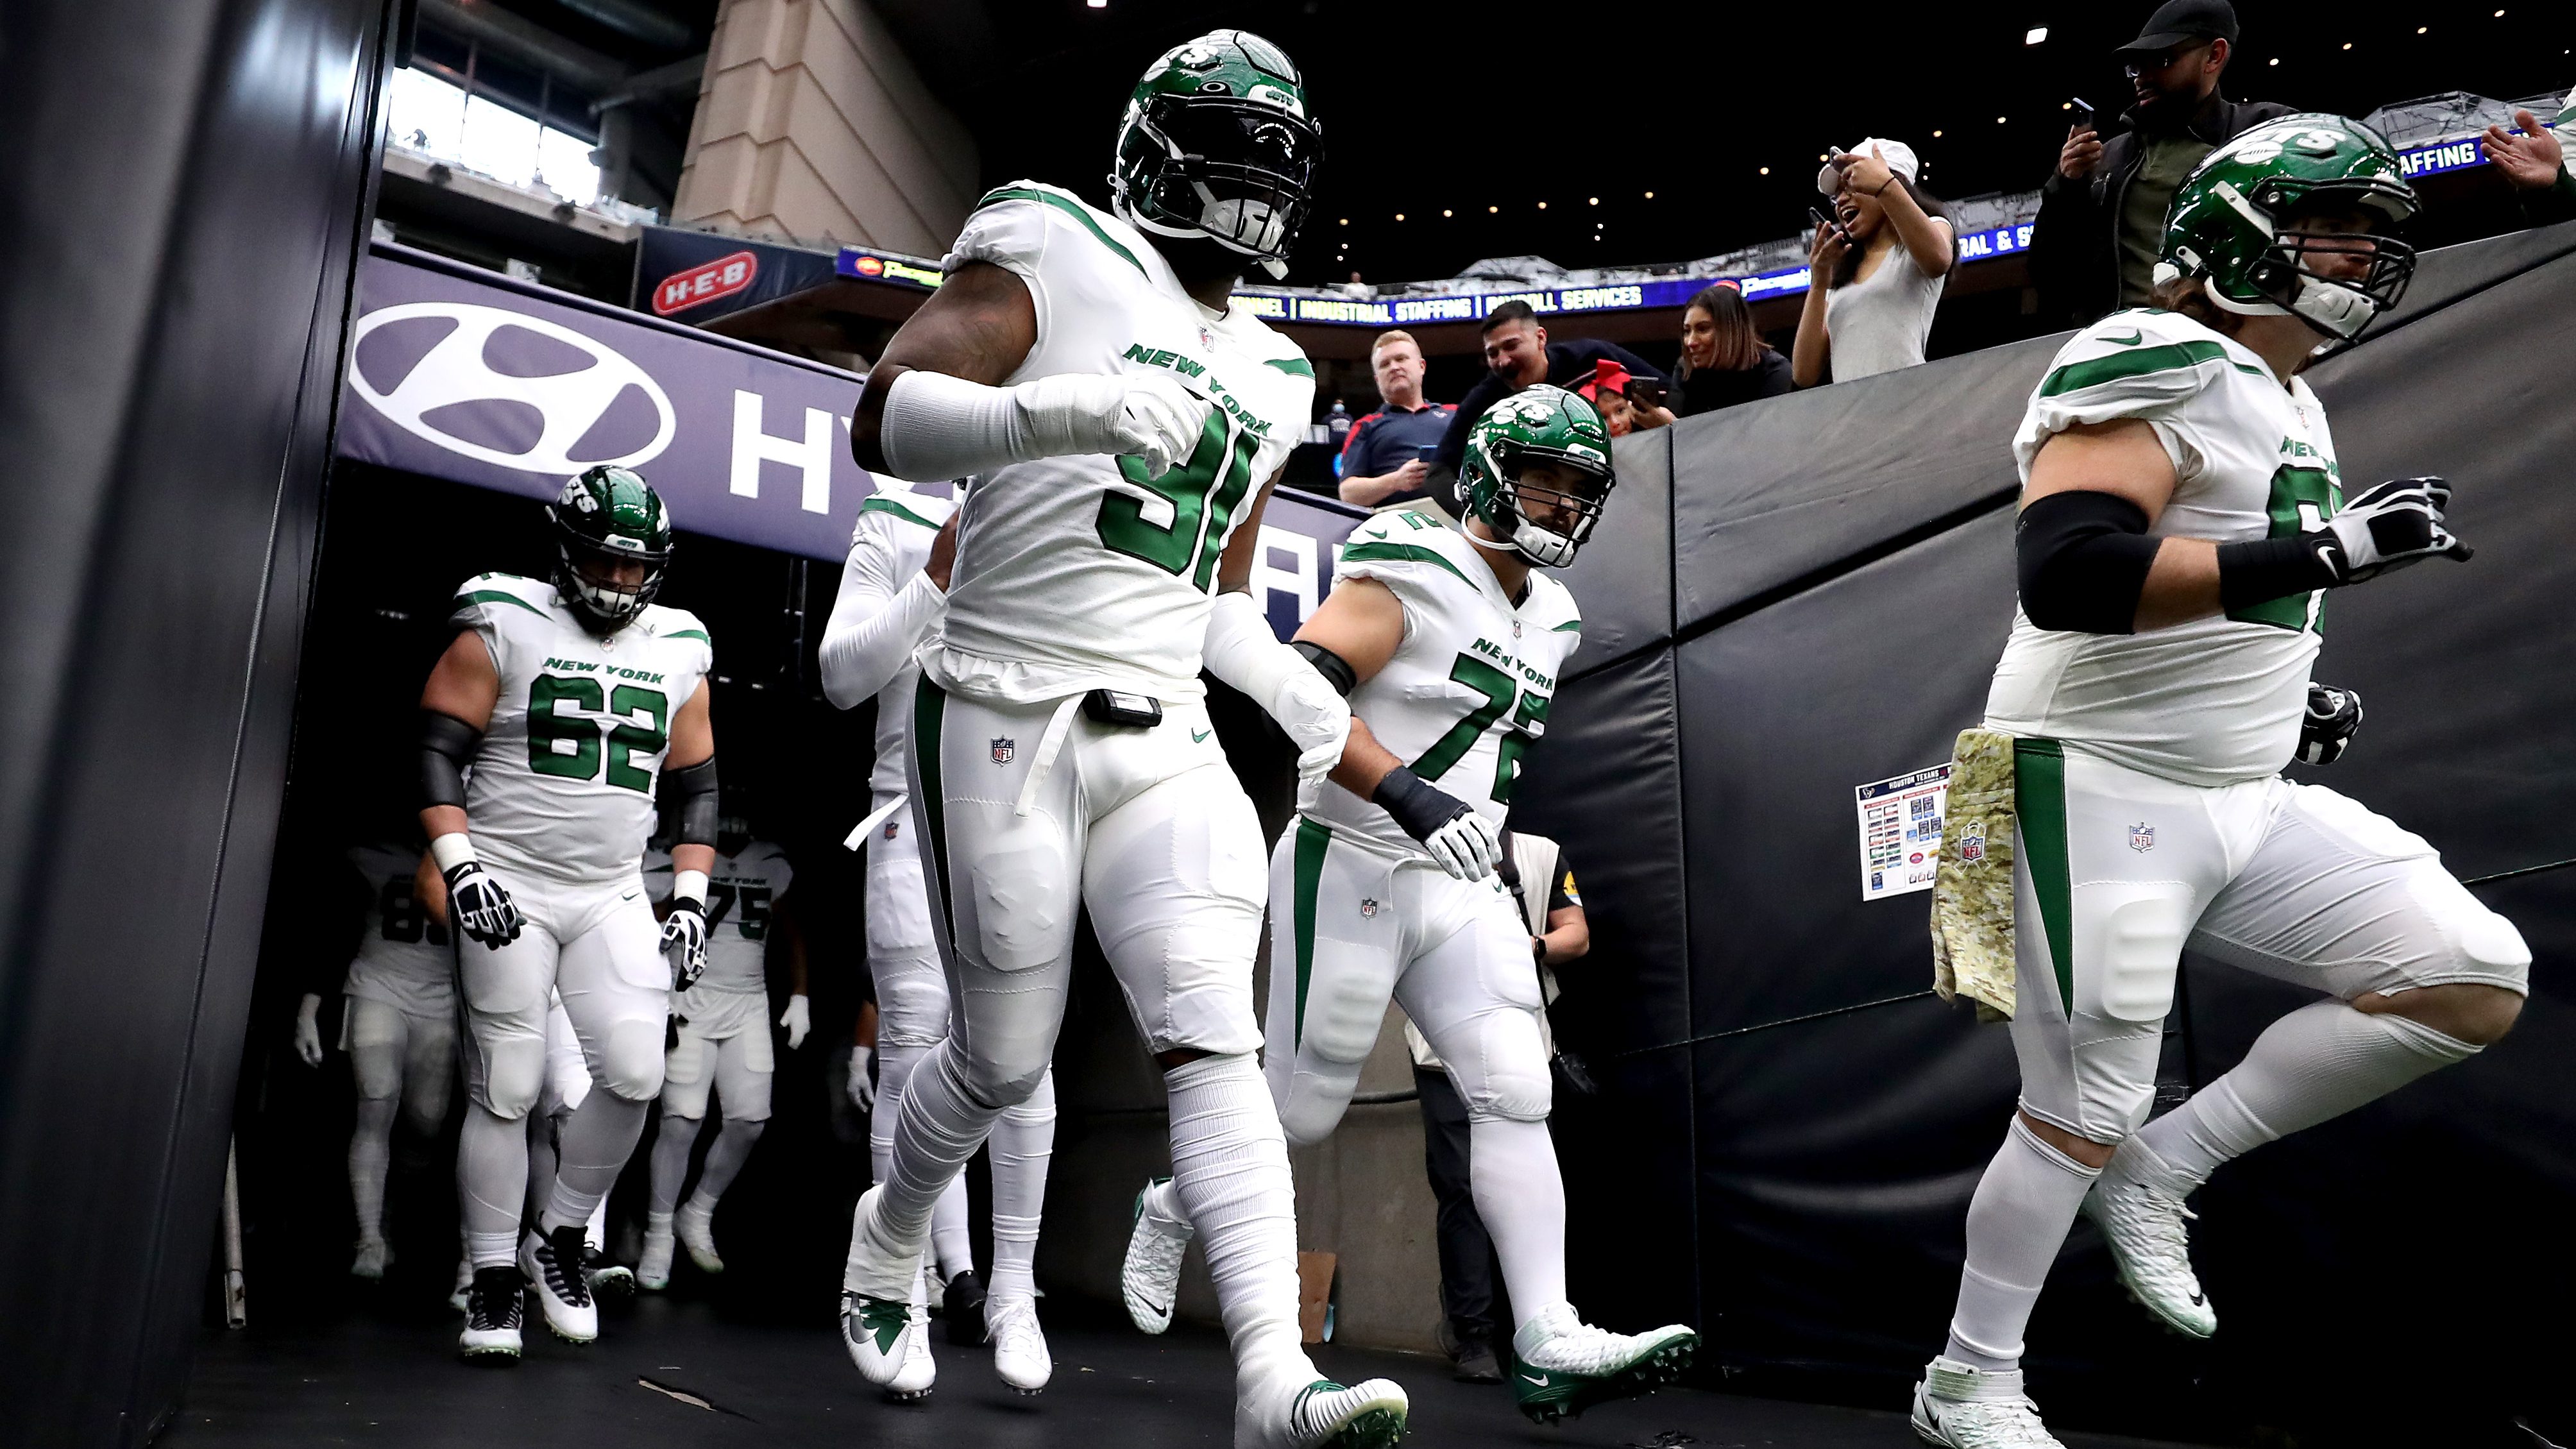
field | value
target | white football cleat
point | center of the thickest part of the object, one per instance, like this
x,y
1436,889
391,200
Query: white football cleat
x,y
1965,1408
653,1269
889,1341
2143,1223
1323,1415
1562,1365
1019,1345
1160,1239
494,1309
371,1258
695,1228
552,1265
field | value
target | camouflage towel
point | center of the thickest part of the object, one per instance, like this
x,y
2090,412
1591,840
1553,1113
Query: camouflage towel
x,y
1972,896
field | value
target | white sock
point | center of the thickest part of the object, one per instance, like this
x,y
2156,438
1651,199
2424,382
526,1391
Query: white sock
x,y
1512,1173
941,1126
671,1161
597,1232
952,1238
491,1184
1230,1172
2016,1223
1022,1142
725,1157
591,1147
2318,1062
371,1151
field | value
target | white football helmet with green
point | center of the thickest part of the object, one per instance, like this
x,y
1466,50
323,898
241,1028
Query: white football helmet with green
x,y
1217,145
1541,424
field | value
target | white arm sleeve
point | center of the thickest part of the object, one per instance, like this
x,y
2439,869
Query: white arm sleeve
x,y
877,620
1241,650
937,426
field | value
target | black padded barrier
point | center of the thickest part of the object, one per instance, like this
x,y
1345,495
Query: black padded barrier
x,y
1840,586
181,200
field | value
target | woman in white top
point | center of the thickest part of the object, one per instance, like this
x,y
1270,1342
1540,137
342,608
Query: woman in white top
x,y
1876,271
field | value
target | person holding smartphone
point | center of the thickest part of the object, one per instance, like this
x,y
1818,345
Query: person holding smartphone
x,y
1383,462
1876,267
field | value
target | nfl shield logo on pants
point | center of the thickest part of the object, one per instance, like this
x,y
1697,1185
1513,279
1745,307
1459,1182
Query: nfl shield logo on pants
x,y
1003,750
2142,837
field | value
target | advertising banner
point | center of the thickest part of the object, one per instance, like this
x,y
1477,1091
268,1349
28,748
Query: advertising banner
x,y
693,276
462,374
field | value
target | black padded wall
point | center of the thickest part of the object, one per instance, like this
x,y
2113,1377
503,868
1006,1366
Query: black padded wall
x,y
181,203
1839,585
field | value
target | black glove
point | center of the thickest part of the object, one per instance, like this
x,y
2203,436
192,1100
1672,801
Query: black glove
x,y
2386,527
2333,716
686,929
480,907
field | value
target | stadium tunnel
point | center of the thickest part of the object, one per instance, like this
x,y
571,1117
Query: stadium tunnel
x,y
232,582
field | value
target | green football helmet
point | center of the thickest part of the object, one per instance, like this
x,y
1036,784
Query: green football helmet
x,y
1542,424
609,515
2234,222
1217,144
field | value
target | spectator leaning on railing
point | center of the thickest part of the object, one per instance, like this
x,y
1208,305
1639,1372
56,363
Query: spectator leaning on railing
x,y
2101,221
2535,163
1518,355
1875,271
1724,359
1381,460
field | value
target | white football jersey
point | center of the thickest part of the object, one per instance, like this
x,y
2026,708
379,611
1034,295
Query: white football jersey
x,y
1078,573
2216,700
889,546
1468,689
403,958
562,785
742,892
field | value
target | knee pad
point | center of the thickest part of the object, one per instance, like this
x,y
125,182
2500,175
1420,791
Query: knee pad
x,y
1001,1083
2480,944
514,1074
631,1061
1310,1116
1515,1094
912,1000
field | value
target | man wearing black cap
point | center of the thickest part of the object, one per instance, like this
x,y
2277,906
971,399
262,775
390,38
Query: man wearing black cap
x,y
2102,213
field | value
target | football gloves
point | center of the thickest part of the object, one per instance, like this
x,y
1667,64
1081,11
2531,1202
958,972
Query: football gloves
x,y
863,1088
2333,715
2386,527
308,1030
685,930
479,907
1466,844
798,1019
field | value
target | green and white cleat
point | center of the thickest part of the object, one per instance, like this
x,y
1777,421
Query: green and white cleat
x,y
1562,1365
1960,1407
1325,1415
889,1341
2142,1220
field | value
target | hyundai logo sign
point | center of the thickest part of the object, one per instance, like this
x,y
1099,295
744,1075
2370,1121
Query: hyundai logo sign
x,y
508,389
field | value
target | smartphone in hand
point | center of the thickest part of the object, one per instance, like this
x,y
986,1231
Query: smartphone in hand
x,y
2082,110
1645,392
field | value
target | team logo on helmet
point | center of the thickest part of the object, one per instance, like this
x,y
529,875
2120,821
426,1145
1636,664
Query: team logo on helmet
x,y
2243,224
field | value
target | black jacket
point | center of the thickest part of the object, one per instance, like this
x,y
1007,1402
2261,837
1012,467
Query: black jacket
x,y
2074,251
1567,364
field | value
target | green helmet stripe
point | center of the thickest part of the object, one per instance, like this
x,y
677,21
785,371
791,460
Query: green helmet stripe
x,y
1072,209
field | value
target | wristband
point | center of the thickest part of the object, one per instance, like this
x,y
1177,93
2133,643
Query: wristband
x,y
691,886
2263,569
451,851
1418,806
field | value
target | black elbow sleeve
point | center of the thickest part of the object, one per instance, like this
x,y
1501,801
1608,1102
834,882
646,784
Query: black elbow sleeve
x,y
1336,670
693,797
2082,559
447,745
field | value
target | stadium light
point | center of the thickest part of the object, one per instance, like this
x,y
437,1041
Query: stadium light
x,y
2036,35
1444,211
1399,216
1766,170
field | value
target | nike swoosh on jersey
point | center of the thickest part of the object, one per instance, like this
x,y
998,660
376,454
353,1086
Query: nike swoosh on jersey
x,y
2132,340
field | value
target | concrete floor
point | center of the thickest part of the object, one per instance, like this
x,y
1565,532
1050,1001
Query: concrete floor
x,y
672,1373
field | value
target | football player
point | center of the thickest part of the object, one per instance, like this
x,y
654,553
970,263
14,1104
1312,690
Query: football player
x,y
2182,518
1123,420
399,1029
571,699
893,587
721,1042
1449,644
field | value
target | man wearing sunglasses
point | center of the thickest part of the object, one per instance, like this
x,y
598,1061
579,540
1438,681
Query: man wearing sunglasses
x,y
2102,213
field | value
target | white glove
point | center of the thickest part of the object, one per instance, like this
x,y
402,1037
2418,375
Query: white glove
x,y
937,426
1468,847
308,1030
1318,723
798,1019
2386,527
863,1091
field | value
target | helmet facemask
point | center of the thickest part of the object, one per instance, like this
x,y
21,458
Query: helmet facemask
x,y
1236,172
605,605
1521,501
608,517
